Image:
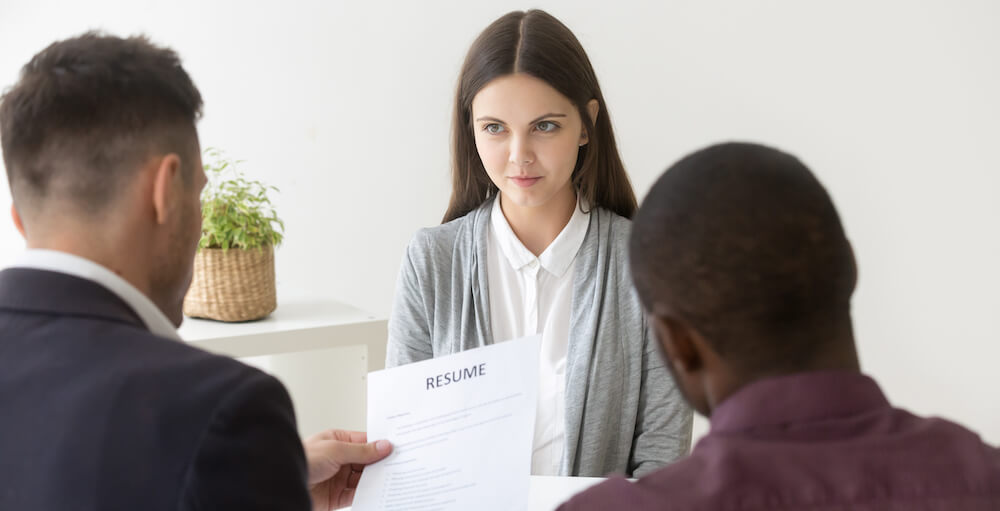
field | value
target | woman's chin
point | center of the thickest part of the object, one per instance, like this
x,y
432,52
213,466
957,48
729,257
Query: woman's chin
x,y
524,199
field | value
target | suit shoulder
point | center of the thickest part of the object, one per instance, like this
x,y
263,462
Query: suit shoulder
x,y
145,357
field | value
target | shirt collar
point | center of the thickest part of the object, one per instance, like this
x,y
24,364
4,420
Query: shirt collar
x,y
70,264
557,257
794,398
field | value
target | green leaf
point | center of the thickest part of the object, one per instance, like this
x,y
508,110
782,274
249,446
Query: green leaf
x,y
236,211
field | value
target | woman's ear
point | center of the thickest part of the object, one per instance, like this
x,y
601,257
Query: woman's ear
x,y
593,108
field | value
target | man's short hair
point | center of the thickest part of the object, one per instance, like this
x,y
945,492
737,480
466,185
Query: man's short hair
x,y
744,243
87,112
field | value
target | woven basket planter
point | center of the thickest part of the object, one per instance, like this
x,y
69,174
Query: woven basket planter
x,y
235,285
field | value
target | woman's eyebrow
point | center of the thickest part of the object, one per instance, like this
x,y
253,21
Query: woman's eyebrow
x,y
546,116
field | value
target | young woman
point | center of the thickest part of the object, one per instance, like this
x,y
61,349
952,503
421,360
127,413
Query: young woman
x,y
534,242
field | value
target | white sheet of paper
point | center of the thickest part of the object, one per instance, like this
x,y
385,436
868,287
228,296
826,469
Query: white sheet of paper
x,y
461,427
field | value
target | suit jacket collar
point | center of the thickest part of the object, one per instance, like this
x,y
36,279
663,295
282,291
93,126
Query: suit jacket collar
x,y
50,292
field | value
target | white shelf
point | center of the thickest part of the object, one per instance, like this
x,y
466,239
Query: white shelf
x,y
296,325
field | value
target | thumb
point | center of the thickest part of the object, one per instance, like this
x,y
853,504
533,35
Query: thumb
x,y
326,457
364,454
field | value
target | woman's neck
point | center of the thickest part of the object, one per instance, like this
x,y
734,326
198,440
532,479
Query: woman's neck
x,y
538,227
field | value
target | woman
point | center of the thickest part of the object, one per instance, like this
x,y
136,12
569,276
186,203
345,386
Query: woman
x,y
534,241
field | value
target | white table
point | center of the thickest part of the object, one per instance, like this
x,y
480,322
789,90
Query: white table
x,y
546,493
320,349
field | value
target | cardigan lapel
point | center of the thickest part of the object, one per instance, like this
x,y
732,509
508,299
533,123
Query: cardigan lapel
x,y
479,275
588,300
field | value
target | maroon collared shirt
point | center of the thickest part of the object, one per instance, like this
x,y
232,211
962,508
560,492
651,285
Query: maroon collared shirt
x,y
816,441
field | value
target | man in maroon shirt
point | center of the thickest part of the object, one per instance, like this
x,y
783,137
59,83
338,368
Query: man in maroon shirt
x,y
744,268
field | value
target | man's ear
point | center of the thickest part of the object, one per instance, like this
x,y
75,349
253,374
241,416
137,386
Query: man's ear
x,y
16,217
593,108
677,338
166,181
854,263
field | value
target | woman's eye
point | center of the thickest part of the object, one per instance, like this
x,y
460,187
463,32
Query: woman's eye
x,y
546,126
493,128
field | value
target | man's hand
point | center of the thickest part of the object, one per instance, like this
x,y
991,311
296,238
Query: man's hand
x,y
336,459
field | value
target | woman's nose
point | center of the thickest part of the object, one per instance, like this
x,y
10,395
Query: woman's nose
x,y
521,154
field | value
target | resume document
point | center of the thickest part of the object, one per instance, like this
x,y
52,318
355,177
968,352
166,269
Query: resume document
x,y
461,427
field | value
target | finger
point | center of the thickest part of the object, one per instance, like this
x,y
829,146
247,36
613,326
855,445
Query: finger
x,y
364,454
353,478
356,437
345,497
321,459
322,435
341,478
328,457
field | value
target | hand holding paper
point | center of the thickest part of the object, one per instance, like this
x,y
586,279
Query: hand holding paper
x,y
336,459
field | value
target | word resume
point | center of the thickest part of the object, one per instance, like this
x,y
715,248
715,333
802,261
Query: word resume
x,y
461,428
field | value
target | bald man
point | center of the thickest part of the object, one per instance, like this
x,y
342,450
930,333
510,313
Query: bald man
x,y
744,268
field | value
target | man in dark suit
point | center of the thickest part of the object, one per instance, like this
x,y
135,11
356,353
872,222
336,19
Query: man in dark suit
x,y
101,405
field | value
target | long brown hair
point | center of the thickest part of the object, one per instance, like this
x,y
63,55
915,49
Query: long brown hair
x,y
537,44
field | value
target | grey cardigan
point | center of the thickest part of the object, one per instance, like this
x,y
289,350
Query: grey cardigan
x,y
623,412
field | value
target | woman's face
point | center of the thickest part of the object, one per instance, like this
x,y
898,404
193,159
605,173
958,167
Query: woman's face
x,y
528,136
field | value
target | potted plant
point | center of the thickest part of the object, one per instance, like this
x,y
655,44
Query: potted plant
x,y
234,267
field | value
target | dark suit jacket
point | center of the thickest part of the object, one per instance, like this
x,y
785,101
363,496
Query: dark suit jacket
x,y
97,413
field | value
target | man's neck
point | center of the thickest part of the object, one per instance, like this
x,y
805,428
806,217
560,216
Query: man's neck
x,y
106,253
840,355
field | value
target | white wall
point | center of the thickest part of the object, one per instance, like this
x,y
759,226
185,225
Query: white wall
x,y
895,105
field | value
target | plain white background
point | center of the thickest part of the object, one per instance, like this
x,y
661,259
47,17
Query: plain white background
x,y
345,106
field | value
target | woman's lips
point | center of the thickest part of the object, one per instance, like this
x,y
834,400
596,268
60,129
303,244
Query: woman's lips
x,y
524,181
